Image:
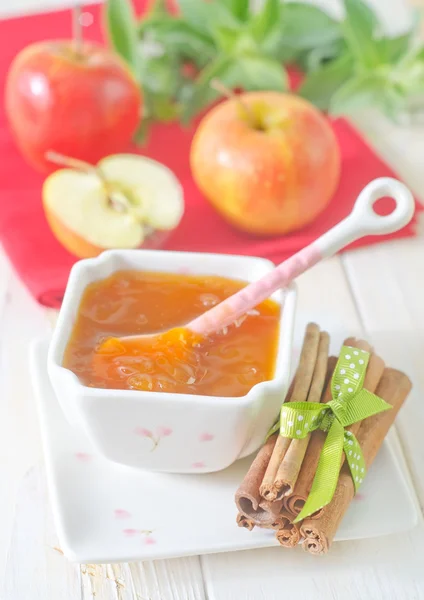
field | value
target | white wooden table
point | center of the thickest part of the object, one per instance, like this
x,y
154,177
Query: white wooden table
x,y
379,291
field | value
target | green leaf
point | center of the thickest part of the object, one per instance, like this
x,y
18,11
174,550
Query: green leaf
x,y
141,136
408,73
359,29
261,23
391,88
161,75
278,50
362,91
157,107
197,13
122,32
305,26
259,73
180,40
312,60
206,16
412,58
320,85
361,14
164,109
394,48
239,8
226,39
203,94
152,20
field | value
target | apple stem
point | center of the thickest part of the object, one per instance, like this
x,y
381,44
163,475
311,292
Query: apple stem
x,y
77,28
73,163
81,165
220,87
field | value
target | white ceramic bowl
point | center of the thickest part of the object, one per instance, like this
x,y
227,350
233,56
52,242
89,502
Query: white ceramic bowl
x,y
176,433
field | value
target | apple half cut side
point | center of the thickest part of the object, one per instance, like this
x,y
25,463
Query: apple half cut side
x,y
124,203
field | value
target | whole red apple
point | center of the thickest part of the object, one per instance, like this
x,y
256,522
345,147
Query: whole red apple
x,y
268,162
84,104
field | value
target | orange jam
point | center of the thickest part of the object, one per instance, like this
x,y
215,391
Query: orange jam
x,y
228,363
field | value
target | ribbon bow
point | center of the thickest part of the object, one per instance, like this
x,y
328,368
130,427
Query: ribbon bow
x,y
350,403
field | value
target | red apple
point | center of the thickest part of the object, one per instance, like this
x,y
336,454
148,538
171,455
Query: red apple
x,y
268,162
83,104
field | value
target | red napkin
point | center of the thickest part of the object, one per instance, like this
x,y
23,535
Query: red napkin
x,y
44,265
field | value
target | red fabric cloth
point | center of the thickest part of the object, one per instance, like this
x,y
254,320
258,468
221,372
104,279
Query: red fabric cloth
x,y
44,265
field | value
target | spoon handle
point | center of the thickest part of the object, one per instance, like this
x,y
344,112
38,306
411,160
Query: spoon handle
x,y
362,221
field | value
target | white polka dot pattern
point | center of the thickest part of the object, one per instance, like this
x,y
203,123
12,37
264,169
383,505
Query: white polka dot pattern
x,y
350,403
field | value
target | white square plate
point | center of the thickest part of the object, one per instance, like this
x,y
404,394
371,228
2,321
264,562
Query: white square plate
x,y
106,513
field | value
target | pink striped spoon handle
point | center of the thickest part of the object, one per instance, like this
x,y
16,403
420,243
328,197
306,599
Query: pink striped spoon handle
x,y
363,220
232,308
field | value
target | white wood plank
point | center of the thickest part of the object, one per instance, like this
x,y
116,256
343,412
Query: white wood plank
x,y
402,147
21,319
389,292
387,568
37,570
380,298
406,264
323,293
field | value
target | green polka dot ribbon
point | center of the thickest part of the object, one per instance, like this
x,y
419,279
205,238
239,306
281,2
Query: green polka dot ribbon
x,y
350,403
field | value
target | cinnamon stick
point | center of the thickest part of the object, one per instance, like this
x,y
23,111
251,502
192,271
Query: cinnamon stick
x,y
287,533
296,501
289,469
271,483
268,488
394,388
243,521
288,536
282,520
247,496
248,499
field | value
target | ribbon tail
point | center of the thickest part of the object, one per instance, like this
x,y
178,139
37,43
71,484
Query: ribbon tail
x,y
363,405
355,459
274,429
327,474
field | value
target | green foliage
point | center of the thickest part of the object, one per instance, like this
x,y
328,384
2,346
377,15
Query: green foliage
x,y
349,65
122,31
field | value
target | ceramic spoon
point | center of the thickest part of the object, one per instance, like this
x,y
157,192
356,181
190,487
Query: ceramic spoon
x,y
362,221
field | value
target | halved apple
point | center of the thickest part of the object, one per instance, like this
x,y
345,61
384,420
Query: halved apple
x,y
127,201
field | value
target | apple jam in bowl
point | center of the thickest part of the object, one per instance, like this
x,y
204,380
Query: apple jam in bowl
x,y
228,363
173,408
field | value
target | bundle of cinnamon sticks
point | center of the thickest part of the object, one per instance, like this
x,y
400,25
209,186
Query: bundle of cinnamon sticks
x,y
280,478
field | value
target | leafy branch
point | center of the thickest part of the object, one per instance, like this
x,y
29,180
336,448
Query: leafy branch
x,y
348,65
